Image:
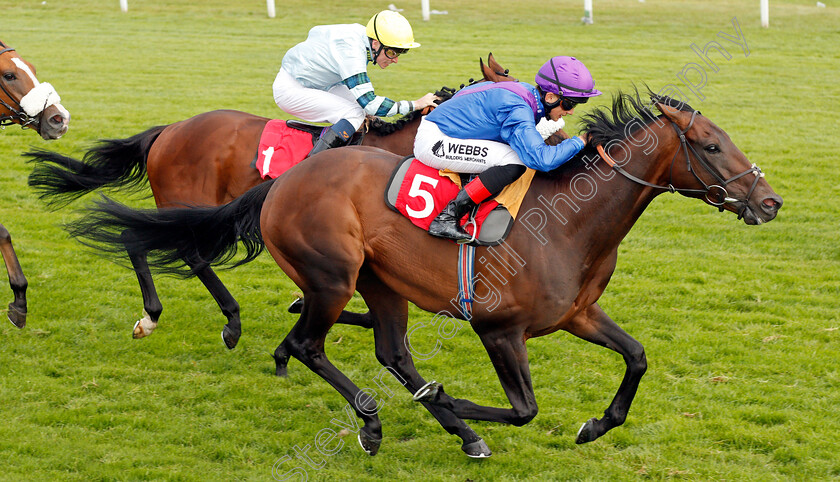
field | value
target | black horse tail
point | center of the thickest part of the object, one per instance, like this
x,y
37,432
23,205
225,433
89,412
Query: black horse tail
x,y
112,163
179,241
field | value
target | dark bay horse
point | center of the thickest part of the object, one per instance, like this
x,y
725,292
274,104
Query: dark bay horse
x,y
344,239
205,160
30,104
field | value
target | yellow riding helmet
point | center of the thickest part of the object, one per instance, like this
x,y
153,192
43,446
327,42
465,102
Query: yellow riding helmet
x,y
391,29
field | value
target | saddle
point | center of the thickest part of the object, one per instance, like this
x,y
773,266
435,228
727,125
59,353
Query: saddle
x,y
420,193
285,143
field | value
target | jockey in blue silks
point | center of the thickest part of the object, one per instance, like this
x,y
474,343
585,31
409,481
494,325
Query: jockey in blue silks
x,y
324,78
490,129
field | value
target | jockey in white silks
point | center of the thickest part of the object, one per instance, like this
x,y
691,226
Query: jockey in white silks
x,y
324,78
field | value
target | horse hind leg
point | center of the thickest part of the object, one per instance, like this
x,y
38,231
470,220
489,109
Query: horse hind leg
x,y
17,308
595,326
390,314
227,303
152,307
281,359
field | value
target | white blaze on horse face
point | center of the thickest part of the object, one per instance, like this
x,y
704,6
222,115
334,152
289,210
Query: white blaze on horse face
x,y
22,66
40,96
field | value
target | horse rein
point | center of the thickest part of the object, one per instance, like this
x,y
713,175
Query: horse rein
x,y
708,189
15,114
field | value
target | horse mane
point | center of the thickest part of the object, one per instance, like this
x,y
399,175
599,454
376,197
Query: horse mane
x,y
609,123
381,127
606,124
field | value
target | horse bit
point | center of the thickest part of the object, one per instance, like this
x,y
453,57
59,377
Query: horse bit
x,y
715,194
19,114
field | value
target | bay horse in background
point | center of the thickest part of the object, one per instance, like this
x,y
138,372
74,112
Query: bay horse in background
x,y
326,226
205,160
34,105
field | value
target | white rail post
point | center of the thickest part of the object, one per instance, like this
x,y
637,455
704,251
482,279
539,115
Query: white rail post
x,y
588,17
124,5
765,13
270,5
424,6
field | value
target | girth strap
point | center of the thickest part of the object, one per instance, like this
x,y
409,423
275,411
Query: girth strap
x,y
466,259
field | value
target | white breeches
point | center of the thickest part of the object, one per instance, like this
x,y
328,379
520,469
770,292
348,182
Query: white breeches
x,y
313,105
469,156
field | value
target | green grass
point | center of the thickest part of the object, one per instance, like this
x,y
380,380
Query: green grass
x,y
740,324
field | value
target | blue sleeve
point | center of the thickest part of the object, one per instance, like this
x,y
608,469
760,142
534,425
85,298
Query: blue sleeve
x,y
520,132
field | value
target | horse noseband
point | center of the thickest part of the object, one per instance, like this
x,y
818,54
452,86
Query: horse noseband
x,y
16,113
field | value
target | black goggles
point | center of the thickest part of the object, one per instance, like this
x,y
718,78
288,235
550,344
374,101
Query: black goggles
x,y
393,52
569,103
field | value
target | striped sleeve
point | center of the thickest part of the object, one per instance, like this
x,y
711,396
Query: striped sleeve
x,y
362,89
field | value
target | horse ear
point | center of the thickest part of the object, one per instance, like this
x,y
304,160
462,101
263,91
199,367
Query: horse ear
x,y
502,74
485,71
678,117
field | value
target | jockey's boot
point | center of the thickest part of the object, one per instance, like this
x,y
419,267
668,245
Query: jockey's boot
x,y
447,224
337,135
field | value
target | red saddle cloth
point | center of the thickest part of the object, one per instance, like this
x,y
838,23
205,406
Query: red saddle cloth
x,y
281,147
424,193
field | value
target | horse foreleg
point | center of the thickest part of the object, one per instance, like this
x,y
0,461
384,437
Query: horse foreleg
x,y
281,354
510,359
151,303
306,343
595,326
345,318
230,308
390,314
17,308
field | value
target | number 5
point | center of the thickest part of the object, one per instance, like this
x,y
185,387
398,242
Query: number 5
x,y
415,191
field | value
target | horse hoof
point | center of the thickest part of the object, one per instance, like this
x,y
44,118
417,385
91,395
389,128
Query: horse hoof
x,y
16,316
369,444
428,392
280,364
230,338
137,332
296,306
144,326
477,449
586,432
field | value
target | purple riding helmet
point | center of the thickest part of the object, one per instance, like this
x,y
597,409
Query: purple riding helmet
x,y
567,77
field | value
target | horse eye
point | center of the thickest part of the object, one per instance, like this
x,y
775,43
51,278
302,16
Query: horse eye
x,y
712,149
9,76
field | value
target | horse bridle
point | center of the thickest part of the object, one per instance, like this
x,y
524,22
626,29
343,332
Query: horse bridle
x,y
715,194
16,114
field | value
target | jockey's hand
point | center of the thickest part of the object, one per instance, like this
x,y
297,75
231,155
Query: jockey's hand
x,y
585,138
427,100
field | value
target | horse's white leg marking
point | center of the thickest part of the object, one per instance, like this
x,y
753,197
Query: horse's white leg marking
x,y
144,326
